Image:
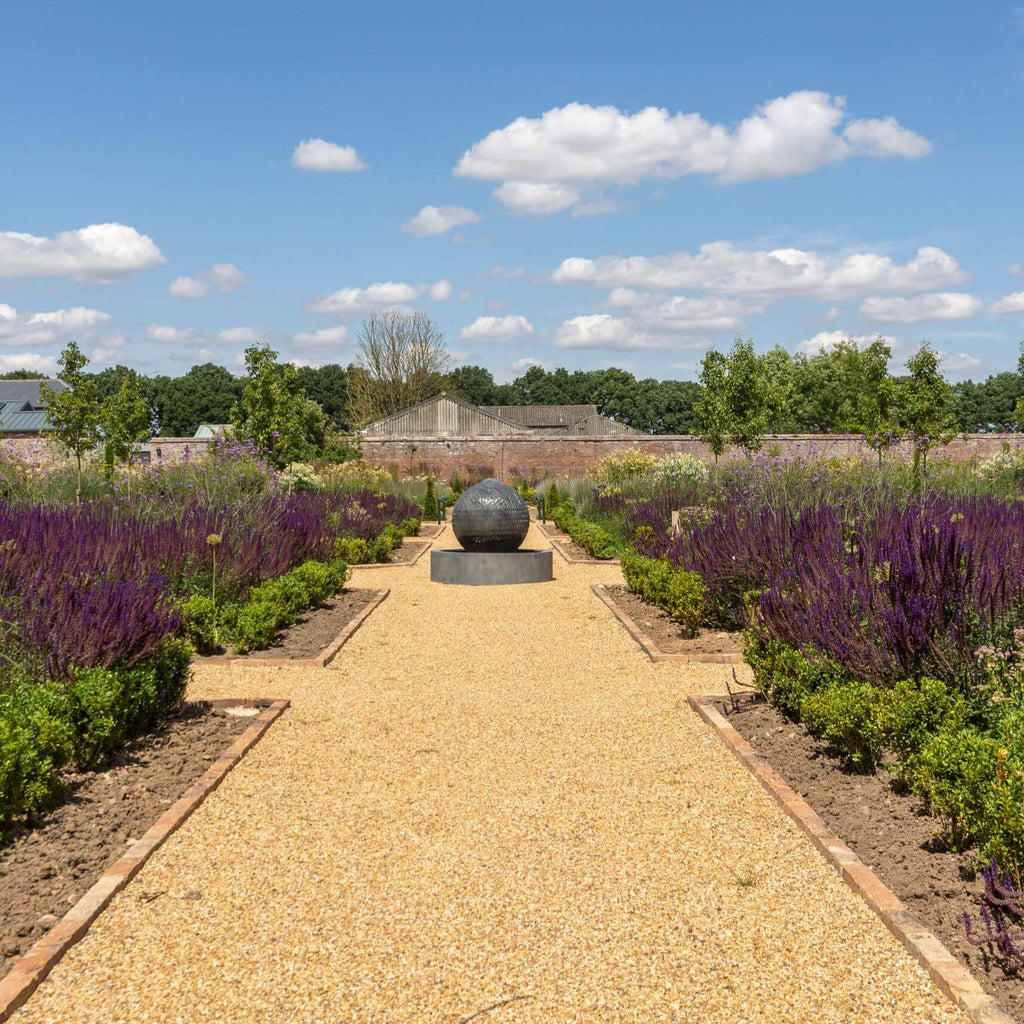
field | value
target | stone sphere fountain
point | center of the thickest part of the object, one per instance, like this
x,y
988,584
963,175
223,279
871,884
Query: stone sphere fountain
x,y
490,520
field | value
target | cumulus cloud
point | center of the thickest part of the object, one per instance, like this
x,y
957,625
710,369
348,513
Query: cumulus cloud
x,y
225,277
521,365
47,328
238,336
1009,304
601,330
509,273
823,341
168,335
934,306
327,337
436,220
320,155
776,273
496,328
441,291
99,252
347,300
27,361
577,146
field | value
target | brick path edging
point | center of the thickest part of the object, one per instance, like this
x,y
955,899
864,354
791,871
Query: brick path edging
x,y
321,660
945,970
30,970
650,647
396,565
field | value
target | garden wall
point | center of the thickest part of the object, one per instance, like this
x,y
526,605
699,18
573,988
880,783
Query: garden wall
x,y
537,457
37,451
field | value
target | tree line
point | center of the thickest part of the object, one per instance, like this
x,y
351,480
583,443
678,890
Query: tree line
x,y
740,394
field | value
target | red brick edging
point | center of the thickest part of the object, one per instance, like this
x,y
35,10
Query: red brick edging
x,y
321,660
650,647
395,565
951,976
29,970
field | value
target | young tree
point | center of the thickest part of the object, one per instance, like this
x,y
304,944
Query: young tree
x,y
125,422
711,407
402,361
273,413
925,401
750,395
74,414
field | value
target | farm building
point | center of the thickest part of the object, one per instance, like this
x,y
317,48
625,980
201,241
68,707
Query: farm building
x,y
22,411
447,416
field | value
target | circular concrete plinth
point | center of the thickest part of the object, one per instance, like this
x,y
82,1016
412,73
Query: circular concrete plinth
x,y
489,568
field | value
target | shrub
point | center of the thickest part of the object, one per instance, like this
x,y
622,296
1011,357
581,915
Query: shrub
x,y
429,505
681,594
200,623
676,470
911,711
596,541
256,626
36,742
625,466
410,527
353,550
786,675
844,714
552,499
953,774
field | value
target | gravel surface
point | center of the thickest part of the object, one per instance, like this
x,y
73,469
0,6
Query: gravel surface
x,y
491,806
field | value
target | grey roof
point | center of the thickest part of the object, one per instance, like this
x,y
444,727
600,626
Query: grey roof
x,y
16,420
213,429
537,417
439,416
26,392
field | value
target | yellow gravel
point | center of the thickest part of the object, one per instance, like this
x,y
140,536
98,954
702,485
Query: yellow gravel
x,y
491,806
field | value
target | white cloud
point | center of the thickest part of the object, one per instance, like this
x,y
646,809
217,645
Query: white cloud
x,y
496,328
47,328
441,291
108,352
436,220
951,362
824,341
569,148
188,288
1017,269
27,361
99,252
958,362
327,337
934,306
320,155
595,207
722,267
347,300
521,365
225,277
536,196
1009,304
172,335
299,363
510,273
238,336
600,330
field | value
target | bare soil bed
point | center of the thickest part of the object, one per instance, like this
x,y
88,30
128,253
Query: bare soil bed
x,y
406,552
666,633
430,530
54,859
316,629
889,831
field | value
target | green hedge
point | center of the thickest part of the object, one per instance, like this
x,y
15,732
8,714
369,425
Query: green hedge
x,y
44,727
597,542
681,594
965,762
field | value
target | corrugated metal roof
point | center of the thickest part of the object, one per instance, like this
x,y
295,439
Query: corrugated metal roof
x,y
212,429
537,417
601,426
14,421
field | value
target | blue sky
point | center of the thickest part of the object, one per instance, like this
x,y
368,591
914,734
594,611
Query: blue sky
x,y
552,183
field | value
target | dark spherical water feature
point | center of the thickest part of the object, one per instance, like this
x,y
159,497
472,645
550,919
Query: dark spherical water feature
x,y
490,516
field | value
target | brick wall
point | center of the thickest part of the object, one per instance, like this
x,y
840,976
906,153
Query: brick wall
x,y
35,450
536,457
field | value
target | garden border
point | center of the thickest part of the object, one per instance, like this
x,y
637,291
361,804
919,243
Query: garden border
x,y
438,529
649,646
945,970
30,970
321,660
424,547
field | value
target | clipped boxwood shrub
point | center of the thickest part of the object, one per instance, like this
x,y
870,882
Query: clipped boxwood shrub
x,y
596,541
681,594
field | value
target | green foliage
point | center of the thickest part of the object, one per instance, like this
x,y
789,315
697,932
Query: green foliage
x,y
274,414
125,421
552,499
205,394
276,604
785,675
429,504
681,594
201,622
410,527
843,714
597,542
473,384
36,742
911,711
74,413
456,486
926,403
352,550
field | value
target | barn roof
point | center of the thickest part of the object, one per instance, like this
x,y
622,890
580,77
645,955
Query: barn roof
x,y
442,415
539,417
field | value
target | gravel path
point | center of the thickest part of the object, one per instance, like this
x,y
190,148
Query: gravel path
x,y
491,807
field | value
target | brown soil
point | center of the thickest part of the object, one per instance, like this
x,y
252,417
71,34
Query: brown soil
x,y
665,631
55,858
316,629
890,832
406,552
430,530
